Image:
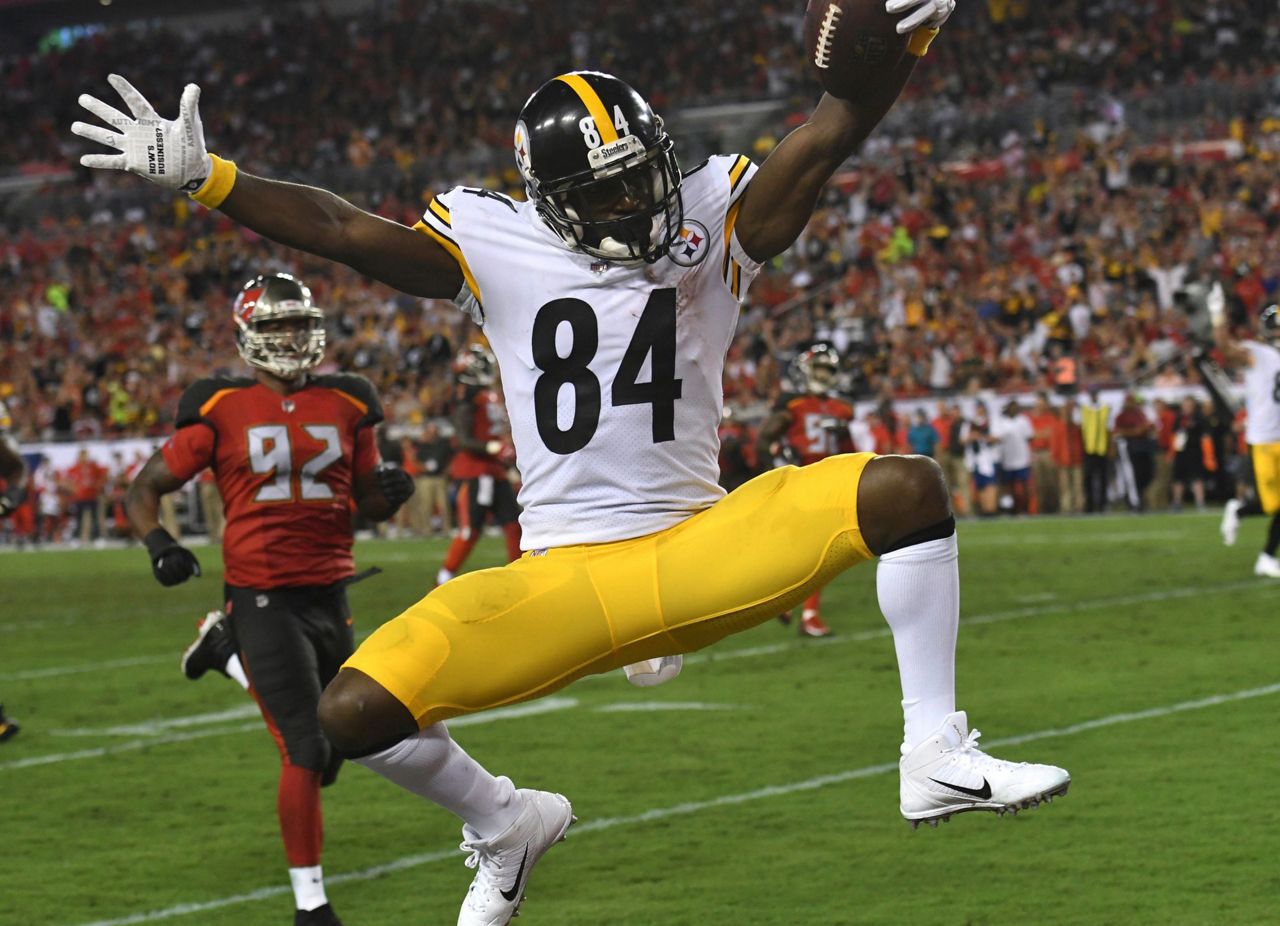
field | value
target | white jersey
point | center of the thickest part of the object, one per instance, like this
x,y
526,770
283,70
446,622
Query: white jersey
x,y
612,373
1262,394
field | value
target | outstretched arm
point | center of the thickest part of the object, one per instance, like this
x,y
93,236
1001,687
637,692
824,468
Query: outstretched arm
x,y
172,154
780,200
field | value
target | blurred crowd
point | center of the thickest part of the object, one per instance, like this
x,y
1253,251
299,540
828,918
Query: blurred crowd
x,y
1086,453
1056,259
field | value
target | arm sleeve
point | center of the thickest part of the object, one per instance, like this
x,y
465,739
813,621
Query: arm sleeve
x,y
438,224
738,269
189,450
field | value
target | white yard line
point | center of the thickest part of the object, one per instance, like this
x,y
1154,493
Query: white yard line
x,y
1188,591
80,668
749,652
648,707
545,706
1019,539
693,807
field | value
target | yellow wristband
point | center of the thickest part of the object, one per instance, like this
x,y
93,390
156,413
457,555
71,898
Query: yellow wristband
x,y
217,186
920,40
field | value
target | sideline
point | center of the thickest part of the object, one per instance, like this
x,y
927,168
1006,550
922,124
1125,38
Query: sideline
x,y
692,807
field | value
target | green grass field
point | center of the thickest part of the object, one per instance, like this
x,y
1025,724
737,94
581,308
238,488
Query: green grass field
x,y
758,789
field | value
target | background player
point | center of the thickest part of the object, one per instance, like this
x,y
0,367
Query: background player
x,y
13,469
1260,358
13,473
609,299
480,465
291,452
813,423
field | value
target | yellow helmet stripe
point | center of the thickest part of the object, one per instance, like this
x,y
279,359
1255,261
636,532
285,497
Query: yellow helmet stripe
x,y
595,106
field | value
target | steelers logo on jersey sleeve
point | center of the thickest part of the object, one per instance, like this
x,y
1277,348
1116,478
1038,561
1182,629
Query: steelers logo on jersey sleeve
x,y
692,245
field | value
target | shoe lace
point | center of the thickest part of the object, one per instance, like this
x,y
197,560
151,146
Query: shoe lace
x,y
969,753
488,864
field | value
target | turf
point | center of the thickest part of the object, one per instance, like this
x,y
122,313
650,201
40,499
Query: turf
x,y
134,796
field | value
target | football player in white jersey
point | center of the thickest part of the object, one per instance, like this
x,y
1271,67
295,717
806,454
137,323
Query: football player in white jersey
x,y
1260,358
610,298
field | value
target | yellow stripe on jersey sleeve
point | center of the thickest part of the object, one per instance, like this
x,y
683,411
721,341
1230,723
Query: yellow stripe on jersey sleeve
x,y
441,211
737,172
456,253
595,106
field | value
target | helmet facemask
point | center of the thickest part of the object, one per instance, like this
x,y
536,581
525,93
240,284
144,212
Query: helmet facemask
x,y
626,210
278,328
817,370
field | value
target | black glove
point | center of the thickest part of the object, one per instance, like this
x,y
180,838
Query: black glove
x,y
394,483
11,498
171,562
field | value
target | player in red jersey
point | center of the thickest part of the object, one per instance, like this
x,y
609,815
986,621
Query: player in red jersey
x,y
480,465
810,425
292,454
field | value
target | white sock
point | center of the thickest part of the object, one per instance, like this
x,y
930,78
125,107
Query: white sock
x,y
236,671
432,765
919,592
443,576
308,887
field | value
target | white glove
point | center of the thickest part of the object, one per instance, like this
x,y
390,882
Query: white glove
x,y
653,672
168,152
928,13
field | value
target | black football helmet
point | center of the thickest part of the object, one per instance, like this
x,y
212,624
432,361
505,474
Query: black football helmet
x,y
476,366
278,328
1269,323
600,168
815,369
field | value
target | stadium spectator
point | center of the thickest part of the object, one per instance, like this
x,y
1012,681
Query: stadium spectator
x,y
1095,431
87,479
982,457
1014,431
430,503
1135,451
1192,443
922,436
1044,476
1068,456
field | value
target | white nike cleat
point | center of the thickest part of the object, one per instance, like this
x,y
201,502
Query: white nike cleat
x,y
654,672
503,862
1230,526
948,774
1267,566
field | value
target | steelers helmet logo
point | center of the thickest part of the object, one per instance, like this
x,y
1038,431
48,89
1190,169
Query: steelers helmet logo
x,y
691,246
521,145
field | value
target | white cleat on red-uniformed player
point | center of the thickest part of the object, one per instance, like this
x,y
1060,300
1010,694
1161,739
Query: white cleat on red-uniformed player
x,y
503,862
948,774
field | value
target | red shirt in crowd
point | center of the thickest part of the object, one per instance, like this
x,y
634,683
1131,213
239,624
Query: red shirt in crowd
x,y
87,479
285,467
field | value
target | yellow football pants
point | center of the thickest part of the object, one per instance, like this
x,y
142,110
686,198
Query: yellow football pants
x,y
1266,475
521,631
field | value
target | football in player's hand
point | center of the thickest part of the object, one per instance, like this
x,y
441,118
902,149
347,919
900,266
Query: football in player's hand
x,y
851,43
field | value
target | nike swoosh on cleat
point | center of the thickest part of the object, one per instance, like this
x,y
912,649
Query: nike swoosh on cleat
x,y
980,793
512,894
